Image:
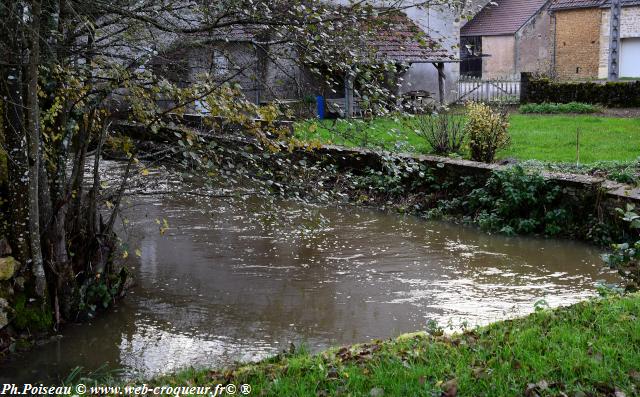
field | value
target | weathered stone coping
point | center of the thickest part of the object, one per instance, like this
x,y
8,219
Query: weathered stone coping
x,y
611,190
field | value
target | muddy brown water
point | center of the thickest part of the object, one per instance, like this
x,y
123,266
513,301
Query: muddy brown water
x,y
235,282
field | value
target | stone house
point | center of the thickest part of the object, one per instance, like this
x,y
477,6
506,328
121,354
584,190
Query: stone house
x,y
576,45
581,38
629,43
234,54
507,38
238,54
441,22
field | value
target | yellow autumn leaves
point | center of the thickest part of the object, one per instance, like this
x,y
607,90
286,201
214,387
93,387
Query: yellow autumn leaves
x,y
486,131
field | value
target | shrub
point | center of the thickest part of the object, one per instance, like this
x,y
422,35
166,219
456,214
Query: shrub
x,y
611,94
571,107
444,132
625,257
487,131
513,201
620,171
396,177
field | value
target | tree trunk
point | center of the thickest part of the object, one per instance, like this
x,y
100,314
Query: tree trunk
x,y
33,135
11,90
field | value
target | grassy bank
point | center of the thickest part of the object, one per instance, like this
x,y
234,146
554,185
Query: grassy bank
x,y
589,349
534,137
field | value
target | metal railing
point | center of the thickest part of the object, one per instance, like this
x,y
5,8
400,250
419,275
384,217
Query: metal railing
x,y
505,91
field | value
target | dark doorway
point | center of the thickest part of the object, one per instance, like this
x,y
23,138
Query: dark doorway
x,y
471,56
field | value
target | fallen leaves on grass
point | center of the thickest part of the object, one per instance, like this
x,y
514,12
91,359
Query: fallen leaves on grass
x,y
537,389
480,373
450,388
359,354
635,375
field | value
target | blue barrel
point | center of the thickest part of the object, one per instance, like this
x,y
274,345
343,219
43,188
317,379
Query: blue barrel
x,y
320,106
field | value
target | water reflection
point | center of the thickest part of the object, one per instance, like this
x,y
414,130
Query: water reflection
x,y
234,280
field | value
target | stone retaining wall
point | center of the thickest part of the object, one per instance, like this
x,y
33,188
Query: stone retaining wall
x,y
586,194
602,195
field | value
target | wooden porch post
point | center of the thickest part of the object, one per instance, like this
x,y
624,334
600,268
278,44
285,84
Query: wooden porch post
x,y
441,78
348,96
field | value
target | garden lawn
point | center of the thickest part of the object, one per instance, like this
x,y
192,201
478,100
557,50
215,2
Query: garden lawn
x,y
589,349
534,137
553,138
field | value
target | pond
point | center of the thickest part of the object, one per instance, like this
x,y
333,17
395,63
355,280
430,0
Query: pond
x,y
233,280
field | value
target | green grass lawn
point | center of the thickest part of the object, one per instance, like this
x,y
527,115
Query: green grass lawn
x,y
589,349
553,138
534,137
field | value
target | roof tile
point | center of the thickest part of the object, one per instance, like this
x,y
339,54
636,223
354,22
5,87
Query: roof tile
x,y
396,37
558,5
505,18
571,4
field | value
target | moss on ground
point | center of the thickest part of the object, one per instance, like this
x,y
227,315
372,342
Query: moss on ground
x,y
29,317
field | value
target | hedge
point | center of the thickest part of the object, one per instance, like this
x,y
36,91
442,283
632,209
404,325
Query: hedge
x,y
557,108
610,94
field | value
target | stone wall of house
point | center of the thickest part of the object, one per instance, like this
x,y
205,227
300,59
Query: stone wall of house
x,y
629,27
262,80
500,61
285,78
236,62
534,45
577,48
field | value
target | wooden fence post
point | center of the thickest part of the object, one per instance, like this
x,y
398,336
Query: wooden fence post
x,y
525,77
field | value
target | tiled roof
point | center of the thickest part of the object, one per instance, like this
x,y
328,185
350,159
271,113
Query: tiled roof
x,y
395,37
505,18
387,37
558,5
571,4
625,3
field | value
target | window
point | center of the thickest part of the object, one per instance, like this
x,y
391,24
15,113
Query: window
x,y
470,56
